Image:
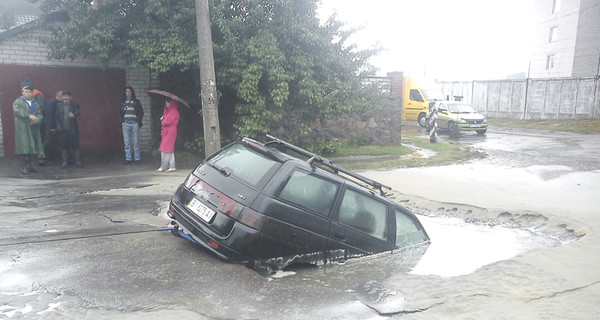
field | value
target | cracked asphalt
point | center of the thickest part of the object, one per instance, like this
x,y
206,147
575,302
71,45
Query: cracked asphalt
x,y
94,243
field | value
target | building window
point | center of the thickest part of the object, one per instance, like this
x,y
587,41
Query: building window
x,y
553,34
555,6
549,62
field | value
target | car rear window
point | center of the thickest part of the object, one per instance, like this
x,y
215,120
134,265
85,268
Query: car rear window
x,y
310,192
243,163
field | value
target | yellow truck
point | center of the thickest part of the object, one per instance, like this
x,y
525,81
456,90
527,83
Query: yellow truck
x,y
416,96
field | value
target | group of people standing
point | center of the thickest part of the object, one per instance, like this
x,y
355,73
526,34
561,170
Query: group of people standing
x,y
38,122
33,116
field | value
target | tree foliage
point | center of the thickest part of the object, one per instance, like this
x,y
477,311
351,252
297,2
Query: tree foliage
x,y
270,55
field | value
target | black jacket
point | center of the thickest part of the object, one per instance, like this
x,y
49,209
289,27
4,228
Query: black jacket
x,y
49,111
139,111
61,116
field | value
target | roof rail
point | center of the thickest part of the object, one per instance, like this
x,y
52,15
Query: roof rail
x,y
326,162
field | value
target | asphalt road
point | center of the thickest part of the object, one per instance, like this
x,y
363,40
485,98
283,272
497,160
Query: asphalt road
x,y
93,243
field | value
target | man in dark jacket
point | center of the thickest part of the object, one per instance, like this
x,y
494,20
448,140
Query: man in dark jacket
x,y
67,113
49,124
130,115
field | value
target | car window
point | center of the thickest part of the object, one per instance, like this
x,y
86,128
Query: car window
x,y
461,108
310,191
415,95
364,213
243,163
407,232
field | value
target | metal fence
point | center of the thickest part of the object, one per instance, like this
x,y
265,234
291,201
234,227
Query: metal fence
x,y
530,99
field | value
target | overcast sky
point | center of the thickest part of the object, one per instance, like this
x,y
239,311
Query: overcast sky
x,y
441,39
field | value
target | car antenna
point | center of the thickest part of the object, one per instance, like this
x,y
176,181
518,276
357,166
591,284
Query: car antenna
x,y
312,157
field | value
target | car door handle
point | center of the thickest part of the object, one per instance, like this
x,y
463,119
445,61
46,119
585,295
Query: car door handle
x,y
339,235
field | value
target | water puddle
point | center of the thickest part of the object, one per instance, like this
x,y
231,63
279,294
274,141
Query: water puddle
x,y
459,248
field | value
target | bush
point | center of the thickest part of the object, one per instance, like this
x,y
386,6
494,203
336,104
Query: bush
x,y
360,139
195,147
322,147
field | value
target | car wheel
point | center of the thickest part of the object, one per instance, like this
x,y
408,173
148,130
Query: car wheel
x,y
422,120
481,131
453,131
452,127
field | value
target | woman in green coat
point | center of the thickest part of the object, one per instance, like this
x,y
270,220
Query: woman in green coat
x,y
28,141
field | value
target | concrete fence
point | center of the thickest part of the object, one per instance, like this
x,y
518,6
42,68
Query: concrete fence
x,y
530,99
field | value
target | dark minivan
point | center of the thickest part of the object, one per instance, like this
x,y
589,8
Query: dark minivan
x,y
253,203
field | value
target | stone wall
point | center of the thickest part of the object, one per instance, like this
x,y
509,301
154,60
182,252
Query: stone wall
x,y
380,126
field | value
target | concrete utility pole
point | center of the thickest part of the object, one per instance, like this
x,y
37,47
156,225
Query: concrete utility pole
x,y
208,85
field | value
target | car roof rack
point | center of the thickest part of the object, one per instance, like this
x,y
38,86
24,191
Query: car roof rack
x,y
326,162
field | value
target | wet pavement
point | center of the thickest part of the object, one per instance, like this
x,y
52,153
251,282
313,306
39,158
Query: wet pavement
x,y
93,243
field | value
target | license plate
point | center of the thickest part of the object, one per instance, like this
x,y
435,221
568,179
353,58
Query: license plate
x,y
473,125
202,211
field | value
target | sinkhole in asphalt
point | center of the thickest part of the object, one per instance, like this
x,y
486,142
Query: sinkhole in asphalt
x,y
458,247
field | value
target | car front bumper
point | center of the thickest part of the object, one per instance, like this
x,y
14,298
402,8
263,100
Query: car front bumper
x,y
471,126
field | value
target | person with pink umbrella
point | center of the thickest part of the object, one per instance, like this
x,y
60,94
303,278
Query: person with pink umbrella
x,y
168,134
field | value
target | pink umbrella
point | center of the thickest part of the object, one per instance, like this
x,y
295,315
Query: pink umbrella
x,y
170,96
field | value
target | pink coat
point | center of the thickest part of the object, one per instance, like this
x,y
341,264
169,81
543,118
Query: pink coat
x,y
168,130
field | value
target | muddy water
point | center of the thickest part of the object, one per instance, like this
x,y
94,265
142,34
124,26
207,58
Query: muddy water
x,y
459,248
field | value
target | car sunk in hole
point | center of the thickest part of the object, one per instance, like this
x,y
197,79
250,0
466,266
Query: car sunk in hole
x,y
257,203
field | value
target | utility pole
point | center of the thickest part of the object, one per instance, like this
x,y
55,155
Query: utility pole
x,y
208,85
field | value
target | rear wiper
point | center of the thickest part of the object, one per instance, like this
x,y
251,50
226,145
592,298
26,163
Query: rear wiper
x,y
224,171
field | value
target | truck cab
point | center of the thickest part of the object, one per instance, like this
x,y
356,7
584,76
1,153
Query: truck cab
x,y
416,98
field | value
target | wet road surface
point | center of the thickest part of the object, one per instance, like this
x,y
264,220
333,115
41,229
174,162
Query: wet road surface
x,y
92,243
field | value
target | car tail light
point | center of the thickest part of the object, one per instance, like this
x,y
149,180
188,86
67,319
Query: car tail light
x,y
213,243
229,206
191,181
252,218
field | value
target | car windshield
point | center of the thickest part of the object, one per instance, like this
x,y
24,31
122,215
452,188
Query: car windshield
x,y
460,108
243,163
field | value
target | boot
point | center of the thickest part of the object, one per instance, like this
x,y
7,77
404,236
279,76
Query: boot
x,y
65,159
25,165
43,161
77,162
33,160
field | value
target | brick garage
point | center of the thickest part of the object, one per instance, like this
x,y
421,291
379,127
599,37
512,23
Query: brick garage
x,y
97,88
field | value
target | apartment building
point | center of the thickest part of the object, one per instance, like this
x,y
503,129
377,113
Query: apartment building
x,y
566,39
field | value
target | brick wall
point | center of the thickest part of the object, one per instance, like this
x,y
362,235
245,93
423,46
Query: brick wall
x,y
25,50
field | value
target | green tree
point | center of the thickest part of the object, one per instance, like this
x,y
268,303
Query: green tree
x,y
270,55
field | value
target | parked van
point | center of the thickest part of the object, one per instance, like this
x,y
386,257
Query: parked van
x,y
416,96
253,203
